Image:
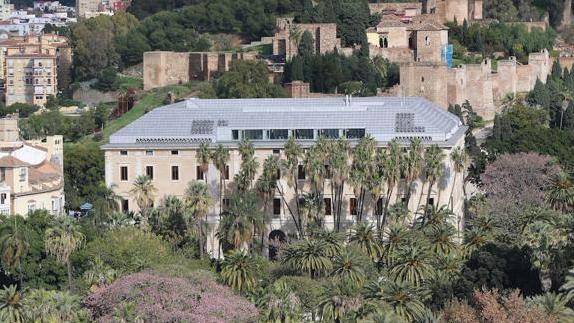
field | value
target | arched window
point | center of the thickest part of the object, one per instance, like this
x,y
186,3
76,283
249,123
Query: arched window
x,y
427,40
383,42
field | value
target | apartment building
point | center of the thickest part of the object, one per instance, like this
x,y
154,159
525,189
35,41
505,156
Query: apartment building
x,y
32,67
31,172
86,7
162,145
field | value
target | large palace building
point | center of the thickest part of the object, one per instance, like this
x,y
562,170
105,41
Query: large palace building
x,y
162,145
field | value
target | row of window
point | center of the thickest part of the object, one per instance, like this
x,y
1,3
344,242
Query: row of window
x,y
301,134
148,152
353,206
175,175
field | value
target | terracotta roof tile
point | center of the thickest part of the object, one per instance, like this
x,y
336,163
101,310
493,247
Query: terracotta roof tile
x,y
10,162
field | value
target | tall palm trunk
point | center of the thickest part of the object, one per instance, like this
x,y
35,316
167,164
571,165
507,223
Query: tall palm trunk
x,y
450,201
293,217
385,210
69,267
429,192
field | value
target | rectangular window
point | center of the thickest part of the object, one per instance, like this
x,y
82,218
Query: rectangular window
x,y
278,134
225,205
353,206
125,206
226,172
149,152
379,207
149,171
123,152
175,173
328,171
235,134
276,151
22,174
276,206
431,201
2,174
278,175
329,133
124,173
304,134
31,207
199,173
327,202
355,133
301,172
253,134
3,198
175,152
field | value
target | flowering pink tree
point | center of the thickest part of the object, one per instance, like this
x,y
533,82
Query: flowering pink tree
x,y
157,298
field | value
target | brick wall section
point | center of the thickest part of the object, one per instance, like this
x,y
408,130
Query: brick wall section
x,y
297,89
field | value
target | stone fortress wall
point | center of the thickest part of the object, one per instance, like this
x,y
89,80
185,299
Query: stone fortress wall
x,y
161,68
477,83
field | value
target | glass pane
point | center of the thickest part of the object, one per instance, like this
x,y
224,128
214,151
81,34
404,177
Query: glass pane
x,y
355,133
278,134
329,133
304,134
253,134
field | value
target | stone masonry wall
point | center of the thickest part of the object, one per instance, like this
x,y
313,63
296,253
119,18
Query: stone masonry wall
x,y
165,68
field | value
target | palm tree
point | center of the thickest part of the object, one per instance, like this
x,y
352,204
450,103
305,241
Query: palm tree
x,y
555,305
308,256
62,240
266,186
203,157
281,304
143,192
53,306
393,165
312,206
220,157
405,300
314,163
440,237
411,265
339,167
99,275
249,166
363,235
397,235
434,157
293,153
413,164
568,286
13,245
242,221
459,159
11,307
111,199
337,301
360,173
198,202
238,270
560,193
348,266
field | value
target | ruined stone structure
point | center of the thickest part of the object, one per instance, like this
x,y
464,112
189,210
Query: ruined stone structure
x,y
285,41
476,83
409,9
297,89
449,10
168,68
415,39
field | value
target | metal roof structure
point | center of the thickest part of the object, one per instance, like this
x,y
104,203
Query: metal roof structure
x,y
267,121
